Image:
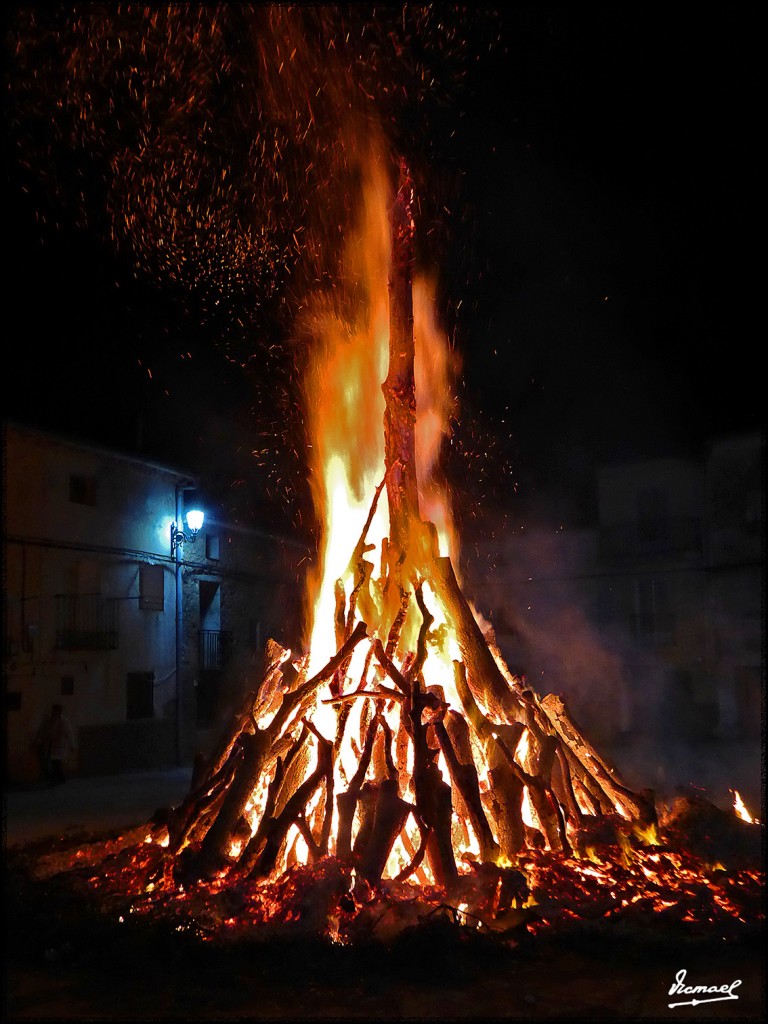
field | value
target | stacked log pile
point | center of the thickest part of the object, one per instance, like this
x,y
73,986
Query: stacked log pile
x,y
274,744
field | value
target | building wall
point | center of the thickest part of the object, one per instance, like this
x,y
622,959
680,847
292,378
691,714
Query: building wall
x,y
735,569
80,525
651,623
84,528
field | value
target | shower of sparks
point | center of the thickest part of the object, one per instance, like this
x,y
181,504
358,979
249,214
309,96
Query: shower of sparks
x,y
223,135
216,148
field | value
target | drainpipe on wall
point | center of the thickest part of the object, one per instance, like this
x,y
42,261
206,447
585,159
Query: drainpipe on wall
x,y
179,604
178,557
178,551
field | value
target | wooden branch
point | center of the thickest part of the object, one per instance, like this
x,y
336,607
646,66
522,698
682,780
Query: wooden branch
x,y
314,849
201,802
483,675
637,805
465,782
427,618
296,701
366,807
382,693
417,856
399,386
389,667
504,801
395,629
484,728
218,836
253,848
544,803
584,783
325,832
347,801
277,828
361,569
562,785
389,816
433,796
258,700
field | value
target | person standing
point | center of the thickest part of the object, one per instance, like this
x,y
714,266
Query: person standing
x,y
61,742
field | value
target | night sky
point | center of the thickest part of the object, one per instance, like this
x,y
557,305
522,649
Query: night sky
x,y
599,270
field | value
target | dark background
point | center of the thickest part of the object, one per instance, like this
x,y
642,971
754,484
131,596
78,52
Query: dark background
x,y
599,275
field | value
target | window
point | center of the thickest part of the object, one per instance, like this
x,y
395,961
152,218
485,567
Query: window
x,y
82,490
212,546
140,702
151,588
653,524
254,634
749,697
654,618
86,622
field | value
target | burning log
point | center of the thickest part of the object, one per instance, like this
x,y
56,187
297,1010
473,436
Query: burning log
x,y
505,804
388,817
348,800
218,837
259,748
277,828
463,773
483,675
433,796
399,387
631,804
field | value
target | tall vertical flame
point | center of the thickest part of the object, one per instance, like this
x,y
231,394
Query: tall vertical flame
x,y
345,406
740,808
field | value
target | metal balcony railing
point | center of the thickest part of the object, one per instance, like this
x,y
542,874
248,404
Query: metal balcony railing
x,y
654,628
674,535
214,649
86,622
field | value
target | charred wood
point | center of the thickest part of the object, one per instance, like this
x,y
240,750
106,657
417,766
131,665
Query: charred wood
x,y
277,828
218,837
399,386
486,681
466,784
640,806
390,814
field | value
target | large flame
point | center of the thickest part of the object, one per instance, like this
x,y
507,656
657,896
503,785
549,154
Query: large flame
x,y
345,410
345,407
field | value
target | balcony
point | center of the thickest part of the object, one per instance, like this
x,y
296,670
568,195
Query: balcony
x,y
214,649
86,622
668,536
654,629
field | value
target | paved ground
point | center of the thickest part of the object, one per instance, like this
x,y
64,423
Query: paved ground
x,y
105,802
62,968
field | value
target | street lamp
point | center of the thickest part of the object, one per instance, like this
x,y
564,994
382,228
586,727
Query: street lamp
x,y
195,518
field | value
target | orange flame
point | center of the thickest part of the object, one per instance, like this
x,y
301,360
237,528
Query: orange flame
x,y
740,808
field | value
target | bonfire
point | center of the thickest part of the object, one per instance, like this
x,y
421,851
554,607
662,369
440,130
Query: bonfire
x,y
395,768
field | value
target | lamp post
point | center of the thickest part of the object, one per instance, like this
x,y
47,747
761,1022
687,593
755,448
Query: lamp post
x,y
179,538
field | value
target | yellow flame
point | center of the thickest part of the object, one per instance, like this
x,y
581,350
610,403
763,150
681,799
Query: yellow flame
x,y
740,808
648,834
